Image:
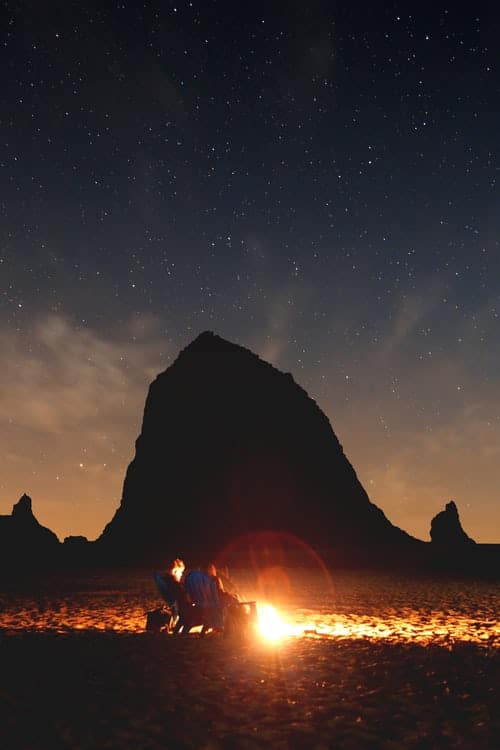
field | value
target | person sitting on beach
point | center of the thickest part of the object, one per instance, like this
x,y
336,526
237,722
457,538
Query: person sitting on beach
x,y
225,597
174,593
235,619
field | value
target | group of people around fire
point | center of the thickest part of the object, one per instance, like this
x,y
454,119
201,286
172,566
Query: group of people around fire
x,y
196,597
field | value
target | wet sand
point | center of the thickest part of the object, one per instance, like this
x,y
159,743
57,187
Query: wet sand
x,y
138,690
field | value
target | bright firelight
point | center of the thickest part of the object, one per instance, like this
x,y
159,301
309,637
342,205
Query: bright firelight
x,y
178,568
271,626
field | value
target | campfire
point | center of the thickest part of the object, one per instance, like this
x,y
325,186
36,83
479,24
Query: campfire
x,y
270,624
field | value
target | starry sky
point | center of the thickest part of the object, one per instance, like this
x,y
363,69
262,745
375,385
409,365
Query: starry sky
x,y
316,181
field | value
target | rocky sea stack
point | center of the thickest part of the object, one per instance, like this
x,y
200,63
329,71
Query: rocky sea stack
x,y
231,446
23,540
446,528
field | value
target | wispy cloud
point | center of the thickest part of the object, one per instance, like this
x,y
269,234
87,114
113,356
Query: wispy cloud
x,y
420,423
412,313
280,320
71,401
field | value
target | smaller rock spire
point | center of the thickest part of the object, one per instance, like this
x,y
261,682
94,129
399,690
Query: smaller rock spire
x,y
447,529
22,509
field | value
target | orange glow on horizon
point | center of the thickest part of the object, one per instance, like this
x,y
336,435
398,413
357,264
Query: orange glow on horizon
x,y
68,447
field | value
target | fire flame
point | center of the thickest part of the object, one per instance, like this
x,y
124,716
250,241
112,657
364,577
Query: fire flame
x,y
270,624
178,569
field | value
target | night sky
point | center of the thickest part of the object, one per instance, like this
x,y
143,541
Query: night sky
x,y
316,181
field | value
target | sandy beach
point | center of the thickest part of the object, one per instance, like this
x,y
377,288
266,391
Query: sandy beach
x,y
400,664
117,691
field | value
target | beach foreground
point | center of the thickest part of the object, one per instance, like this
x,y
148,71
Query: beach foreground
x,y
129,690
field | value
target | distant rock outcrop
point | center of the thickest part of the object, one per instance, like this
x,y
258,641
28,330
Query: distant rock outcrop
x,y
77,550
231,446
446,528
23,539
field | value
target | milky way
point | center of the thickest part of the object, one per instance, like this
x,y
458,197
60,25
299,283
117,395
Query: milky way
x,y
317,183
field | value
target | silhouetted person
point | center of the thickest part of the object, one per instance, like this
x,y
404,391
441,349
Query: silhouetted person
x,y
225,597
174,593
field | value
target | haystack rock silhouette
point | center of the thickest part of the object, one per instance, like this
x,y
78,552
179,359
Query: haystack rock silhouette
x,y
23,540
232,448
447,529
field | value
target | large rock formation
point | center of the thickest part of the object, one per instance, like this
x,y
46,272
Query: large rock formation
x,y
24,540
231,446
446,528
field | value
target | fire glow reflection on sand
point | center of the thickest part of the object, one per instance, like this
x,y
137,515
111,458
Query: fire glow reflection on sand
x,y
307,605
273,626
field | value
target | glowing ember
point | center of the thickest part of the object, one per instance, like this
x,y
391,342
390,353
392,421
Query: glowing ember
x,y
270,625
